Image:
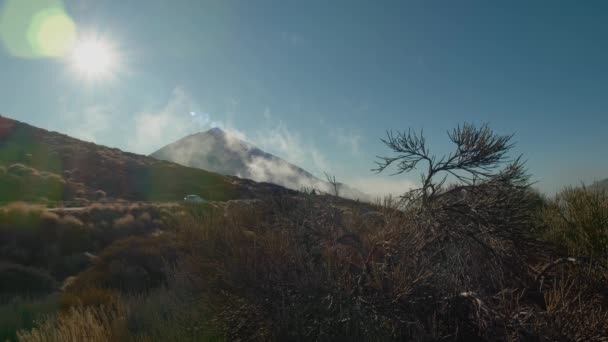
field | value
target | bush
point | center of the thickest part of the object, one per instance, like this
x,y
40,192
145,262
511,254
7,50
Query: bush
x,y
124,221
96,324
576,220
74,237
131,265
90,296
16,279
22,314
68,265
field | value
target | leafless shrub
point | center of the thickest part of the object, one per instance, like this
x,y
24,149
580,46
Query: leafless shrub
x,y
477,227
334,185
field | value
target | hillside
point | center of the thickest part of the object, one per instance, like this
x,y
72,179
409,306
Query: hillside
x,y
36,164
491,261
221,152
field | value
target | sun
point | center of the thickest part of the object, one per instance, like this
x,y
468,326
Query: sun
x,y
93,58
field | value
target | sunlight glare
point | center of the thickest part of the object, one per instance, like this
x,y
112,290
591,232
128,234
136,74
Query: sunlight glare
x,y
93,58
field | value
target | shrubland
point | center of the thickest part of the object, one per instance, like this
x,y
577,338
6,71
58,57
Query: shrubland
x,y
484,258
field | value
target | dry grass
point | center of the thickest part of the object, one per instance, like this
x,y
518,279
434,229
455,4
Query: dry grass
x,y
96,324
321,268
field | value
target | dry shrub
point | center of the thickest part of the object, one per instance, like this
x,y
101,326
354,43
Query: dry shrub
x,y
571,306
575,308
97,205
323,269
48,218
171,313
17,279
97,324
48,176
131,265
298,268
144,218
71,221
100,194
22,313
124,221
74,236
22,170
296,274
22,207
90,296
19,218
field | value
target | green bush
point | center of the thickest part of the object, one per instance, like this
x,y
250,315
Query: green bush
x,y
576,220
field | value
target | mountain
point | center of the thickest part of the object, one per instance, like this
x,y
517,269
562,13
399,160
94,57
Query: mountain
x,y
36,164
222,152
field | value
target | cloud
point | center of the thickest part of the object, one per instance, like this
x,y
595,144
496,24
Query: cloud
x,y
90,124
290,146
282,141
349,139
378,186
177,118
279,172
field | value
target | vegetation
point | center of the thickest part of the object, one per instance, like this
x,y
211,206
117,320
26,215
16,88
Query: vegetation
x,y
576,221
485,258
37,165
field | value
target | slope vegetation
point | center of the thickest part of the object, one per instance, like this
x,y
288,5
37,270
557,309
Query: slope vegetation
x,y
36,164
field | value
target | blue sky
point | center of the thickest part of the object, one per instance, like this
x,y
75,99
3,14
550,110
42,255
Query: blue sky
x,y
319,82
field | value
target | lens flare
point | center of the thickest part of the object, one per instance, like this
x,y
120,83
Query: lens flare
x,y
52,33
36,29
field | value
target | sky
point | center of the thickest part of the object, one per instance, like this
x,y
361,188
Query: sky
x,y
318,83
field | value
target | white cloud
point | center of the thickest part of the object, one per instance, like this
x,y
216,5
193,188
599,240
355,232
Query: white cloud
x,y
319,160
90,124
290,146
282,141
379,186
349,139
177,118
274,171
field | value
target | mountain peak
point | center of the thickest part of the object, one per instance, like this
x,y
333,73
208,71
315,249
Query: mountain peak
x,y
216,130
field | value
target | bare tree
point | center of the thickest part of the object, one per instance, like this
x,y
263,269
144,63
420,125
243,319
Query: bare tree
x,y
335,185
479,155
479,225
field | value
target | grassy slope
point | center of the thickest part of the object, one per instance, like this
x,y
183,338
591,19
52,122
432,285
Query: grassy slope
x,y
35,163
